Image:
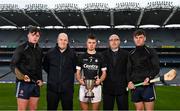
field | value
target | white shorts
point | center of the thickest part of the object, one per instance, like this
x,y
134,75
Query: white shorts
x,y
97,94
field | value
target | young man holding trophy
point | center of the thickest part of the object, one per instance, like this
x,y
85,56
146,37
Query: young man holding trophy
x,y
91,71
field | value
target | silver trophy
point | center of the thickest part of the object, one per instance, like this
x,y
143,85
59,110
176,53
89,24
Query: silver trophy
x,y
89,84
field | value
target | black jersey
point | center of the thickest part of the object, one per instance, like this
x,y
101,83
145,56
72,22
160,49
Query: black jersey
x,y
28,59
90,65
143,62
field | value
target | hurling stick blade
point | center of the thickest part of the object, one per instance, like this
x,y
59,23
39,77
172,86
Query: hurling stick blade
x,y
170,75
19,74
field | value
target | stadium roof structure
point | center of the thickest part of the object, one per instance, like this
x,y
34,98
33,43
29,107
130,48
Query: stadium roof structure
x,y
159,13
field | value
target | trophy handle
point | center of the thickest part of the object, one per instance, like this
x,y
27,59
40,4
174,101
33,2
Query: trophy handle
x,y
82,74
97,77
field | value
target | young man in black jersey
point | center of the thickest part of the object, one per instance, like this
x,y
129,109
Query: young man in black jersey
x,y
28,59
90,65
143,65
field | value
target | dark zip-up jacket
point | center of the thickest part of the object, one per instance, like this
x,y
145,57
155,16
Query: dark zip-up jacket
x,y
60,68
28,59
115,82
143,62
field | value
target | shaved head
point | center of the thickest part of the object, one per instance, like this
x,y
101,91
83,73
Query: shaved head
x,y
62,41
63,35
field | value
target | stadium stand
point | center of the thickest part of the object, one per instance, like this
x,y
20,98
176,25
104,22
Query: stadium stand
x,y
169,57
160,13
155,37
68,14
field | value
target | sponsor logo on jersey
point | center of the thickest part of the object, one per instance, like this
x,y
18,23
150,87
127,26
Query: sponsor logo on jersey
x,y
90,67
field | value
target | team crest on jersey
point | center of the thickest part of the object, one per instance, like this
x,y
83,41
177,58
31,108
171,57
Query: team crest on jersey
x,y
91,57
85,59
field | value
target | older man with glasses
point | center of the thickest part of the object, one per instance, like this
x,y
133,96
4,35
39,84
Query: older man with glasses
x,y
114,86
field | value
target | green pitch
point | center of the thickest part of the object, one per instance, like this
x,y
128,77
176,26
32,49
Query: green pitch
x,y
168,98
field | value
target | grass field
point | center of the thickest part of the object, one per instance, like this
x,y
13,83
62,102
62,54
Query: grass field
x,y
168,98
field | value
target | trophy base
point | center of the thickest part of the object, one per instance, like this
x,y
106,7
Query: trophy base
x,y
89,96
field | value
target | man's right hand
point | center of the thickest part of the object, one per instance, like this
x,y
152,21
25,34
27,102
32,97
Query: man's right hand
x,y
26,78
81,81
131,85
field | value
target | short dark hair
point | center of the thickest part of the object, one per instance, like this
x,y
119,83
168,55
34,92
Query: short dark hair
x,y
91,36
34,29
139,32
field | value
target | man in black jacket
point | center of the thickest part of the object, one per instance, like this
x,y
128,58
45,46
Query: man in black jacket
x,y
143,65
60,65
28,59
114,86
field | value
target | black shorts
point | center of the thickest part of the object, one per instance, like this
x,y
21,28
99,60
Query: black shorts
x,y
143,94
26,90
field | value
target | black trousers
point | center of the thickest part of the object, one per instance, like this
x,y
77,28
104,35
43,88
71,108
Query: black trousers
x,y
109,100
53,99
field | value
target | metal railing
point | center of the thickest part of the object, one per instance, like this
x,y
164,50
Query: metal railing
x,y
66,6
159,4
33,7
8,7
96,6
127,5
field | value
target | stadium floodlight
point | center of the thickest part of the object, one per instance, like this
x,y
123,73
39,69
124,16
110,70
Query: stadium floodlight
x,y
160,4
125,41
66,6
127,5
100,26
96,6
36,7
9,7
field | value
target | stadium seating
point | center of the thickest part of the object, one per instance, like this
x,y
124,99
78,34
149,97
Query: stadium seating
x,y
155,37
164,40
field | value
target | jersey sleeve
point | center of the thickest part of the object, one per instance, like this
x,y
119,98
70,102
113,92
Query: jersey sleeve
x,y
79,63
16,58
103,63
155,64
129,68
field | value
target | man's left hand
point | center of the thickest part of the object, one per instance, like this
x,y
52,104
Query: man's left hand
x,y
146,81
40,82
